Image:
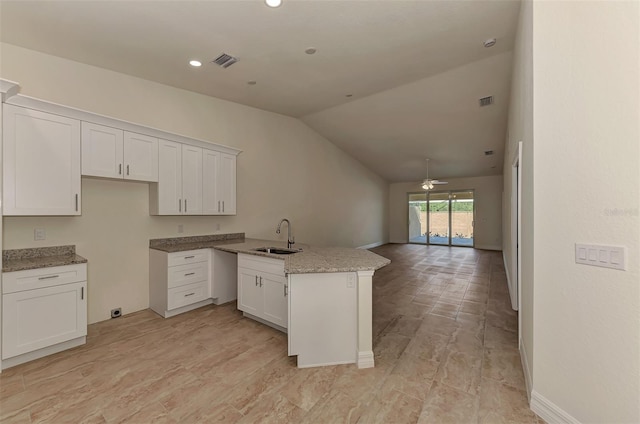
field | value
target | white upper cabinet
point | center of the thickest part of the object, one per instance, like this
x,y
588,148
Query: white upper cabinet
x,y
102,151
210,169
113,153
41,158
192,179
140,157
226,183
179,188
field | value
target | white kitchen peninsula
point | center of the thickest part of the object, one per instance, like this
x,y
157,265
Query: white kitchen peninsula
x,y
328,294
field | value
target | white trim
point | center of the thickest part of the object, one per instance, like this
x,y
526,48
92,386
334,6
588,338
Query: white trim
x,y
8,89
525,368
486,247
82,115
372,245
365,359
549,411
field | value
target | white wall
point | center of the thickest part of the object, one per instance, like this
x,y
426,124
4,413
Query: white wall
x,y
576,106
286,170
586,91
521,129
488,220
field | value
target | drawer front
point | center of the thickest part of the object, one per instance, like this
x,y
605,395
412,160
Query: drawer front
x,y
186,295
31,279
259,263
188,257
188,274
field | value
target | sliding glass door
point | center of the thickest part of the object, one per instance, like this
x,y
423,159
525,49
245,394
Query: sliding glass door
x,y
443,218
462,218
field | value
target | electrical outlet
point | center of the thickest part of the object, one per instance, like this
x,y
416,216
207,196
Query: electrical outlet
x,y
39,234
181,228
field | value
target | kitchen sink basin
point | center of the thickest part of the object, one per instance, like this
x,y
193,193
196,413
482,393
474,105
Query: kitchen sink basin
x,y
277,250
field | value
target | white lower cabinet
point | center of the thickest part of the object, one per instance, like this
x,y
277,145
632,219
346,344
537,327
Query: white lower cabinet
x,y
42,309
179,281
262,289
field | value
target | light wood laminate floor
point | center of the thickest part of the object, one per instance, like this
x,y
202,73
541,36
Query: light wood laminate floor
x,y
445,344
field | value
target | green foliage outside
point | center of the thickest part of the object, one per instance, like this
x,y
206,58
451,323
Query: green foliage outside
x,y
442,206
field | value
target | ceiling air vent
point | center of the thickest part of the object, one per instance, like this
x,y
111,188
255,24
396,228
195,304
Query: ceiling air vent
x,y
224,60
488,152
486,101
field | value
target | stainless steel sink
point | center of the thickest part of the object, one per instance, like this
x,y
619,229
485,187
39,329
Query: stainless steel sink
x,y
277,250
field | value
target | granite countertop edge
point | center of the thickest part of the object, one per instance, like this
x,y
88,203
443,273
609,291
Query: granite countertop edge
x,y
310,260
40,257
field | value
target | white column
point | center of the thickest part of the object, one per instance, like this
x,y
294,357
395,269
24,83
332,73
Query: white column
x,y
365,319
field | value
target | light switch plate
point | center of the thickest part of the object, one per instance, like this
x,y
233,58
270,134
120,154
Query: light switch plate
x,y
603,256
39,234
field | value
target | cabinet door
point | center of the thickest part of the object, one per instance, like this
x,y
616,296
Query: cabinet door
x,y
227,184
41,158
192,180
34,319
140,157
275,299
102,151
169,178
249,292
210,169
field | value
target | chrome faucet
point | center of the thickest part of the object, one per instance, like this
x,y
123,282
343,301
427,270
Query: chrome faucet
x,y
290,240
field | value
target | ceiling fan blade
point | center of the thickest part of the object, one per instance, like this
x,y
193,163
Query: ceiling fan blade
x,y
436,182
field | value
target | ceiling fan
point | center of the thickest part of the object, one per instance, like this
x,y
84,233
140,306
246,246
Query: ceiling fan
x,y
428,183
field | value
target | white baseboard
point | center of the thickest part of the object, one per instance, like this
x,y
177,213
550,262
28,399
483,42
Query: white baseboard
x,y
371,246
487,247
549,411
525,368
365,359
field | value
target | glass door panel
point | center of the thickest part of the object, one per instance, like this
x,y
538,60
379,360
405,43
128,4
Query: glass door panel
x,y
417,217
438,219
462,218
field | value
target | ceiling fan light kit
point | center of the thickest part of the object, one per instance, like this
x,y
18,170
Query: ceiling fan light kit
x,y
428,183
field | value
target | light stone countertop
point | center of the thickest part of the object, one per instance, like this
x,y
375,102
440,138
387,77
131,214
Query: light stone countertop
x,y
40,257
310,260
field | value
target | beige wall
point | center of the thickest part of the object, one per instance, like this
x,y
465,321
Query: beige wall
x,y
286,170
488,201
586,97
575,105
521,129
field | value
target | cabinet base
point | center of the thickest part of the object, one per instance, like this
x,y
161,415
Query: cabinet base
x,y
265,322
178,311
40,353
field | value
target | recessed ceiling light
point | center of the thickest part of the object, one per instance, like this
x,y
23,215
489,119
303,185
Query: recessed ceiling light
x,y
273,3
311,50
195,63
490,42
251,82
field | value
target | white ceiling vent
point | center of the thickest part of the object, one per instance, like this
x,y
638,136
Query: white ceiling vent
x,y
224,60
486,101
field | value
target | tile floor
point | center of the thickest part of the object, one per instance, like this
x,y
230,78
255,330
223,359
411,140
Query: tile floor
x,y
445,349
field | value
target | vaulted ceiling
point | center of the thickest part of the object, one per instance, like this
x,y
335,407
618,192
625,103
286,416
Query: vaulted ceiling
x,y
391,82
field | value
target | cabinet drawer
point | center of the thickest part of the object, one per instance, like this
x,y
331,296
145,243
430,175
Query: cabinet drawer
x,y
188,257
187,274
186,295
262,264
42,277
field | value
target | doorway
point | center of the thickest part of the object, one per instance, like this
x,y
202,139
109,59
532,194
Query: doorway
x,y
444,218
